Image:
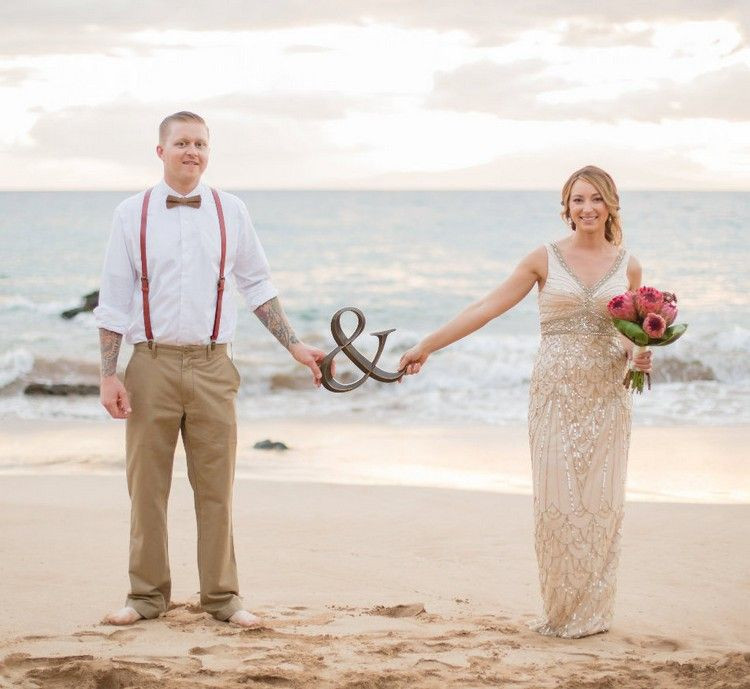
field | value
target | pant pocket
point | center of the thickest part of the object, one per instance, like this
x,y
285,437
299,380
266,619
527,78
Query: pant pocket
x,y
235,373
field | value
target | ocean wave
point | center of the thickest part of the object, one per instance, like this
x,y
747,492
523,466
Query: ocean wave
x,y
15,364
706,354
19,302
19,367
702,379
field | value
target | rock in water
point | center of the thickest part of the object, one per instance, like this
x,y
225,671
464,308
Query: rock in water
x,y
90,302
270,445
60,389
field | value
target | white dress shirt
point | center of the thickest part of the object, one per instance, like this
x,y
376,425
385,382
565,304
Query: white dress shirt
x,y
183,249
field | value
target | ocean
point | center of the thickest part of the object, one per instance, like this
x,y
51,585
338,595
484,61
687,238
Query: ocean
x,y
409,260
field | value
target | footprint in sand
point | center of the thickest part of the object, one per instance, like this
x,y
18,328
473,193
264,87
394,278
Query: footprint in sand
x,y
83,671
493,626
428,663
439,646
119,635
654,643
273,680
163,663
15,659
25,659
412,610
392,650
314,621
220,649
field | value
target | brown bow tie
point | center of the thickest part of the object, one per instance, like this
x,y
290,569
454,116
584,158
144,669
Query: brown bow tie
x,y
192,201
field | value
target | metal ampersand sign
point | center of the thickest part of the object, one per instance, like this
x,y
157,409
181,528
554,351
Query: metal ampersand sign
x,y
344,342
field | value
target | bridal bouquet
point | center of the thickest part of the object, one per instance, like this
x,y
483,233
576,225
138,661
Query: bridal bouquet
x,y
646,318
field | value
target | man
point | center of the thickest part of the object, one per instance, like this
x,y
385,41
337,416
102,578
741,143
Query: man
x,y
163,289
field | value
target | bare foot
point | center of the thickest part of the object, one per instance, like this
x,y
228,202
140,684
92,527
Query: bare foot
x,y
243,618
126,615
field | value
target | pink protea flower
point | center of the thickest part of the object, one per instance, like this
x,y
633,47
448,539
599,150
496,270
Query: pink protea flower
x,y
648,300
654,325
669,311
623,306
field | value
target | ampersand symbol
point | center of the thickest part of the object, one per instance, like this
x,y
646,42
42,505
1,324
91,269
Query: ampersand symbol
x,y
344,342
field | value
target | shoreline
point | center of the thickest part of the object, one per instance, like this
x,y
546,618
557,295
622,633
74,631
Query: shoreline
x,y
702,465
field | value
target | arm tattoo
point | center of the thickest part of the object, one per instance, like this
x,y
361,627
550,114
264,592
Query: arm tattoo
x,y
272,316
109,343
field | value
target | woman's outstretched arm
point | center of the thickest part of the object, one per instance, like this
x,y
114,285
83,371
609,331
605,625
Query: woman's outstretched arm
x,y
529,271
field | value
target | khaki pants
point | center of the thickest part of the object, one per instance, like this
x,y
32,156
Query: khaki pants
x,y
188,390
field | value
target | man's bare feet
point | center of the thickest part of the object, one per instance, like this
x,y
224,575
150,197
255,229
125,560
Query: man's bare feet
x,y
243,618
126,615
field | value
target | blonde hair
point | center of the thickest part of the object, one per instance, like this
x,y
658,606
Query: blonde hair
x,y
182,116
605,185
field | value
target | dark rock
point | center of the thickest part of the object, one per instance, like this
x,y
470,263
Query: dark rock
x,y
60,389
90,302
669,369
270,445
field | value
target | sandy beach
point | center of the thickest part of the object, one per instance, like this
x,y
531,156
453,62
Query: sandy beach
x,y
365,585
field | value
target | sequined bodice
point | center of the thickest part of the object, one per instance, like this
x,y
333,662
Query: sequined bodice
x,y
566,305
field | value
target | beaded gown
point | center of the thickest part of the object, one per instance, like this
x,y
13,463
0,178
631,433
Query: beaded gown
x,y
579,432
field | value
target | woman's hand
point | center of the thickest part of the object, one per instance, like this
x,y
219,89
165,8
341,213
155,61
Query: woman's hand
x,y
413,359
642,361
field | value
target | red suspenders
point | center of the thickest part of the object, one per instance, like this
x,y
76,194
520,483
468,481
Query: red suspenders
x,y
220,283
144,269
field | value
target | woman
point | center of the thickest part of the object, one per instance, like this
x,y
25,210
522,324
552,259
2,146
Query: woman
x,y
579,410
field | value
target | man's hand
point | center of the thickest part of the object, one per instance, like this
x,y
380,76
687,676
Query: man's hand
x,y
114,398
310,357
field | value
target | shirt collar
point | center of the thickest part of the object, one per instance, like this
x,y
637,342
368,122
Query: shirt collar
x,y
166,190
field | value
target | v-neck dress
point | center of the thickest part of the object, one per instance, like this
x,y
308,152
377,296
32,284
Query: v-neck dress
x,y
579,432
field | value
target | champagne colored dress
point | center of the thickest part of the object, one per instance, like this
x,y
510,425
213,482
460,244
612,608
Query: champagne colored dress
x,y
579,432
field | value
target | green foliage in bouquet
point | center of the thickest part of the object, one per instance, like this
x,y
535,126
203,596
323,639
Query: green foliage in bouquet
x,y
637,335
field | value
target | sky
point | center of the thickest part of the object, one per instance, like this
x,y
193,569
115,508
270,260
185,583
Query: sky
x,y
356,94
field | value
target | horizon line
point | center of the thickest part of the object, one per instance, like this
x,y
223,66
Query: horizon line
x,y
379,189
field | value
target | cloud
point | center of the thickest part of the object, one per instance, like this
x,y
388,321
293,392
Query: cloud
x,y
56,25
13,76
549,168
579,34
297,106
518,90
112,147
302,48
509,91
721,94
66,39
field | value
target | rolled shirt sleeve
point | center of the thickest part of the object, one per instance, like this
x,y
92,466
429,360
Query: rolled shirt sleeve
x,y
118,283
252,273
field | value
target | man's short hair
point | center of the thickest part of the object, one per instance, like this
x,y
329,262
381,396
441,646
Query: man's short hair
x,y
182,116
